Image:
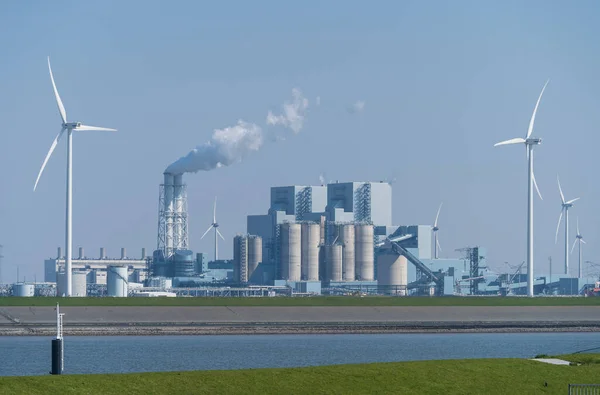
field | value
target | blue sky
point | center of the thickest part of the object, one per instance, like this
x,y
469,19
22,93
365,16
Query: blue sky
x,y
442,82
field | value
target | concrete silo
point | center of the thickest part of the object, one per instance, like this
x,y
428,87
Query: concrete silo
x,y
347,239
392,273
254,254
333,258
79,284
311,237
364,252
117,281
291,251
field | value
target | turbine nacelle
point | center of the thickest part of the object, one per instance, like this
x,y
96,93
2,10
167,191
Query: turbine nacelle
x,y
71,125
533,141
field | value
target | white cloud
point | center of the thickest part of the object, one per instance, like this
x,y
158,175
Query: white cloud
x,y
357,107
293,113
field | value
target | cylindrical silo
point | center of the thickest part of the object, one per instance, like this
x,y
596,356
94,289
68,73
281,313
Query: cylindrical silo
x,y
79,284
81,255
61,284
183,260
392,273
348,258
143,253
364,252
116,283
102,253
254,253
333,258
23,290
290,251
59,253
123,253
311,237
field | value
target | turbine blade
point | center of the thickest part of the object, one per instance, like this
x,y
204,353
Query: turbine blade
x,y
52,147
61,108
207,230
583,241
577,226
558,226
438,214
219,233
215,211
438,245
85,128
536,186
532,121
517,140
572,248
562,197
573,200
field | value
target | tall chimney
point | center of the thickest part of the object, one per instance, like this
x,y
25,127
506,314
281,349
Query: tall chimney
x,y
123,253
102,253
81,253
143,253
60,255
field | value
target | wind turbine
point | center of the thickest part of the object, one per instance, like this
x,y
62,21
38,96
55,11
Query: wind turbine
x,y
579,238
215,226
436,242
529,142
69,127
564,208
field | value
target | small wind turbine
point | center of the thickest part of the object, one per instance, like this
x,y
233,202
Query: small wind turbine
x,y
436,242
529,142
215,226
579,238
69,127
564,208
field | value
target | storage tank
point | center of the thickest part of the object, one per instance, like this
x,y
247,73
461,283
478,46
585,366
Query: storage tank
x,y
290,251
123,253
102,253
254,254
79,284
81,253
61,283
23,290
117,281
333,258
392,273
311,237
348,259
183,260
364,252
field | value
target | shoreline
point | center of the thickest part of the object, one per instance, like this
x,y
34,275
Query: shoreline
x,y
176,329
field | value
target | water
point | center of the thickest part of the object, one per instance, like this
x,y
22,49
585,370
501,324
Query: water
x,y
122,354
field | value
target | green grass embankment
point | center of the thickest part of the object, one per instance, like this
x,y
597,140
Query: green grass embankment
x,y
483,376
312,301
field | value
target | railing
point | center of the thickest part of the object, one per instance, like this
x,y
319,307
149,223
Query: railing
x,y
584,389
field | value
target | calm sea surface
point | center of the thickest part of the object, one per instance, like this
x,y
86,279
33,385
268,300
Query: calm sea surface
x,y
112,354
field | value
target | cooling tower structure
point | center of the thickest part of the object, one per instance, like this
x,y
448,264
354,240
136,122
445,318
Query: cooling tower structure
x,y
247,255
311,240
172,215
333,259
291,251
347,239
392,273
364,253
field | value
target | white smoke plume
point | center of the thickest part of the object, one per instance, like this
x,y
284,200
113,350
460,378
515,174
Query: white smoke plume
x,y
225,147
357,107
293,113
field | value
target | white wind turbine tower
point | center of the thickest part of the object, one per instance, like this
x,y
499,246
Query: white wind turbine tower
x,y
579,238
564,208
69,127
215,226
436,243
529,142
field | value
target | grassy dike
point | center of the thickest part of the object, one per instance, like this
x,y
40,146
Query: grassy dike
x,y
478,376
312,301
